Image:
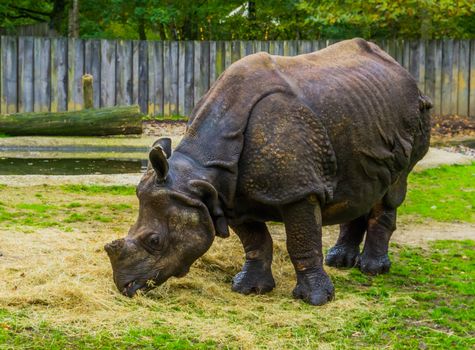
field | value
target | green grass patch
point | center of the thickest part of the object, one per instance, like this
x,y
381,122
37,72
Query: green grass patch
x,y
97,189
444,194
14,334
427,300
75,217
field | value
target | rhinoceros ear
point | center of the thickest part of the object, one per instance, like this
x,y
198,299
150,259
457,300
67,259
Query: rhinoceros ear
x,y
209,196
165,144
158,160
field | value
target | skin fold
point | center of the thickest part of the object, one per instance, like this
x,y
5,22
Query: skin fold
x,y
317,139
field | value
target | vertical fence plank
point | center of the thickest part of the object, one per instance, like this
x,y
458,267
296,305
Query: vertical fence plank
x,y
108,60
212,62
438,78
429,77
196,70
463,79
315,45
59,76
135,72
42,75
248,48
279,48
264,46
204,68
447,71
9,61
155,78
171,78
123,80
181,78
391,48
454,78
220,64
189,77
272,49
228,60
75,73
25,74
235,51
406,59
92,66
472,80
399,51
201,69
143,77
421,64
167,78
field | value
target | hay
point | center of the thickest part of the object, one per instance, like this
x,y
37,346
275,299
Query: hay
x,y
64,279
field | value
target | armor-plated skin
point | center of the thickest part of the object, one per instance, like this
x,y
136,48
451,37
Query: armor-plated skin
x,y
323,138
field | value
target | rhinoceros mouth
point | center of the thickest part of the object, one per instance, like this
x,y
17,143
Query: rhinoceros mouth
x,y
131,288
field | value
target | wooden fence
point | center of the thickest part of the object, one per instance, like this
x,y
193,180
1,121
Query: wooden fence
x,y
168,77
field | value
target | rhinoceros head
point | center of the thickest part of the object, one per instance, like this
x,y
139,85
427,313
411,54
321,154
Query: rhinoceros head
x,y
173,228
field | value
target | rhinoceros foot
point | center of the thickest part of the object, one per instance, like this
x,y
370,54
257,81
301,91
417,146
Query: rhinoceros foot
x,y
342,255
254,278
373,265
314,287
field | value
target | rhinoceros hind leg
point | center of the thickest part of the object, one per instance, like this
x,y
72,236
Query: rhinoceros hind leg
x,y
256,274
303,225
347,247
374,259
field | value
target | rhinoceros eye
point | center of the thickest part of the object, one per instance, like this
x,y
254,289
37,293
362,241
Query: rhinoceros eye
x,y
154,241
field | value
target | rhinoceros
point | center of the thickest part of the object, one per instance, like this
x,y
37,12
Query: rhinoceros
x,y
317,139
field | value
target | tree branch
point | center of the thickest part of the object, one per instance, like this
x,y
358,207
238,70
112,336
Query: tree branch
x,y
24,15
22,9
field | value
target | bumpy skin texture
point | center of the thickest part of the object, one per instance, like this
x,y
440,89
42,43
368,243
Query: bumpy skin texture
x,y
317,139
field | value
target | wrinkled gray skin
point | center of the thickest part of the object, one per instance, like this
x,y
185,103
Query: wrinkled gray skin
x,y
318,139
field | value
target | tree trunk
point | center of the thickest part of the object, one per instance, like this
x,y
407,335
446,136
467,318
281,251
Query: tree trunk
x,y
141,29
74,20
89,122
57,15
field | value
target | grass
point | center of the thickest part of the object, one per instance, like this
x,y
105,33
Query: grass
x,y
98,189
57,290
443,194
180,118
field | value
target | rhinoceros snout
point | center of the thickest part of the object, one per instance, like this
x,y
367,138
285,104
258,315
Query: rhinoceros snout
x,y
114,248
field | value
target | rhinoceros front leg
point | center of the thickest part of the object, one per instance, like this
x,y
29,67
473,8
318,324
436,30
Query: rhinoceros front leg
x,y
303,225
347,247
256,275
381,224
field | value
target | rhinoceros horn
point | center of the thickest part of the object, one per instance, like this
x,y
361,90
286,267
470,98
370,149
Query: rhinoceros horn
x,y
114,248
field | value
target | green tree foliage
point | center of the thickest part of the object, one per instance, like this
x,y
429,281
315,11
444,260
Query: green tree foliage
x,y
391,18
20,12
260,20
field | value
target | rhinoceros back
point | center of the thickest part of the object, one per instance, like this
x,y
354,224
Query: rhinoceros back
x,y
360,114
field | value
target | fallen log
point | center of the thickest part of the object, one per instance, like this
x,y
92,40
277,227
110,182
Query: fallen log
x,y
120,120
